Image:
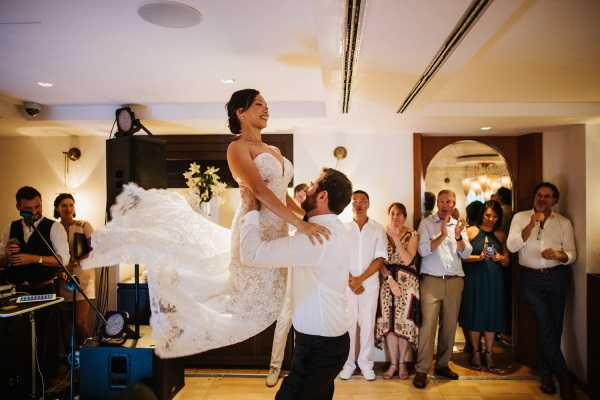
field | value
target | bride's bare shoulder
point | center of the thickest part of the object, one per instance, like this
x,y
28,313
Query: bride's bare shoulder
x,y
237,148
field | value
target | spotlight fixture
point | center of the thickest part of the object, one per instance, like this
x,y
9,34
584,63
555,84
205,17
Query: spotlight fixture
x,y
45,84
227,81
127,123
485,128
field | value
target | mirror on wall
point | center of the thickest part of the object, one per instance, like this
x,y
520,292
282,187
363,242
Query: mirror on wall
x,y
473,170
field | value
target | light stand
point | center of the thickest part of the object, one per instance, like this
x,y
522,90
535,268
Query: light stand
x,y
77,288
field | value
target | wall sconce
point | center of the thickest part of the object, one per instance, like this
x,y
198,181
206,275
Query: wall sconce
x,y
73,154
339,153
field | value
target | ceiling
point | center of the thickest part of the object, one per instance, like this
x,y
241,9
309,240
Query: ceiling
x,y
525,65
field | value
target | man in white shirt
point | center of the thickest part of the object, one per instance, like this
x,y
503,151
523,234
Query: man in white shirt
x,y
443,242
284,320
546,246
368,250
319,277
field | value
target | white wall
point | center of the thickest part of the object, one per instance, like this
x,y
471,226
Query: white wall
x,y
380,165
564,164
39,162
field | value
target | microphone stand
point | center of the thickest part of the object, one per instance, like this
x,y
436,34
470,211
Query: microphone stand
x,y
77,288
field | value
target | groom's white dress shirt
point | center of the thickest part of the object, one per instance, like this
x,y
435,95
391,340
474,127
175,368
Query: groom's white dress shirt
x,y
319,272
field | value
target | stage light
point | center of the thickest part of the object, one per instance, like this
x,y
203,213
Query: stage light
x,y
127,123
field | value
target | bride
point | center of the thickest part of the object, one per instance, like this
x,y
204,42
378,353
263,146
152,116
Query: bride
x,y
201,296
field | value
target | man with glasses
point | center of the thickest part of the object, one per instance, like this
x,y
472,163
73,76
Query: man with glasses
x,y
545,242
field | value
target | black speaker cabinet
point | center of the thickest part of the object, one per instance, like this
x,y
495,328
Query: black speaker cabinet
x,y
15,357
138,159
110,372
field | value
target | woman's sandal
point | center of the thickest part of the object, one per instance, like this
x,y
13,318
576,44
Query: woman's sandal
x,y
390,372
403,373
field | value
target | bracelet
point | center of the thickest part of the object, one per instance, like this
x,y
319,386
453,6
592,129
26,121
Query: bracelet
x,y
458,239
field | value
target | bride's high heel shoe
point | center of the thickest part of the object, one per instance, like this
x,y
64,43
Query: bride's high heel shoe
x,y
390,371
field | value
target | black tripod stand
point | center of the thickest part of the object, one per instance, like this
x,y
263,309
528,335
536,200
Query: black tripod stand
x,y
28,218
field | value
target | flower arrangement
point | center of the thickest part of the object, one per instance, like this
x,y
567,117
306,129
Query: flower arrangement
x,y
204,184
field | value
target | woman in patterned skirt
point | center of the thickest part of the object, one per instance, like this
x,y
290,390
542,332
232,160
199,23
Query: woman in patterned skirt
x,y
399,310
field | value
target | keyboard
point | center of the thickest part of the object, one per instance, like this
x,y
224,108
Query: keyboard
x,y
36,297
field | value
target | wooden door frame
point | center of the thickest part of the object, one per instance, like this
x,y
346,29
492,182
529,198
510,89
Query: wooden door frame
x,y
523,155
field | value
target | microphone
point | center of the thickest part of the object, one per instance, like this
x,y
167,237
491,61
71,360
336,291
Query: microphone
x,y
27,217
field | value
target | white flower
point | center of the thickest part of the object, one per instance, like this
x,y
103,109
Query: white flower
x,y
211,170
194,168
188,174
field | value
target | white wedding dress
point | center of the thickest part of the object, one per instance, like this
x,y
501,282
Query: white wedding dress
x,y
201,296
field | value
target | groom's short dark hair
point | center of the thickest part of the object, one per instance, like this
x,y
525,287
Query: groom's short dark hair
x,y
338,187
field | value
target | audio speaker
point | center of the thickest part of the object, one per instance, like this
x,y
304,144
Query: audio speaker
x,y
108,372
15,353
138,159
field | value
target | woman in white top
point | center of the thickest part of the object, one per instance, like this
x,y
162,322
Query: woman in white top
x,y
64,209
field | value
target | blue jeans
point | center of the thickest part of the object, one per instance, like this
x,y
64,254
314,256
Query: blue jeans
x,y
545,293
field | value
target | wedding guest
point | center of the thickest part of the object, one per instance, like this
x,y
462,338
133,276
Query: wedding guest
x,y
474,213
545,242
428,204
368,250
399,309
483,303
64,209
505,199
442,243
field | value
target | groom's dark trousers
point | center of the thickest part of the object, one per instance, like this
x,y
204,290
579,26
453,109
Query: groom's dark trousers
x,y
317,361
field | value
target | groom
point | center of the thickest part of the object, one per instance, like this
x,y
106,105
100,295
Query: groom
x,y
319,275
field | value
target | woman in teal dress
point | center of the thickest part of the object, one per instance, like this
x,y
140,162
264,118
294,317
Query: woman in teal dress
x,y
483,303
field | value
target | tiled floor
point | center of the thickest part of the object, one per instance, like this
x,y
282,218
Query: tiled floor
x,y
250,388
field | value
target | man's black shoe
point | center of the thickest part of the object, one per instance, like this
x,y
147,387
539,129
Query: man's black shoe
x,y
420,380
567,392
547,385
446,372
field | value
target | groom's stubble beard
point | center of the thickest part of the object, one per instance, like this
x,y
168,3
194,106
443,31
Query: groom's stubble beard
x,y
310,203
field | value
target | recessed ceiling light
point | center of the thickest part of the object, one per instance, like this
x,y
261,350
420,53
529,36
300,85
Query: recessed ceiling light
x,y
45,84
170,14
486,128
227,81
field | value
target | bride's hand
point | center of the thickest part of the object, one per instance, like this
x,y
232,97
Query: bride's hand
x,y
315,232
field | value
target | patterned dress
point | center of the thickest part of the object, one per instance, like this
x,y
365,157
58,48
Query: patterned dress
x,y
400,315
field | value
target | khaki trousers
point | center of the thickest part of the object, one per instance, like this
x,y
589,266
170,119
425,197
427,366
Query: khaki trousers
x,y
439,298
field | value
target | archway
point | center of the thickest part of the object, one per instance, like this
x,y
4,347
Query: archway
x,y
523,156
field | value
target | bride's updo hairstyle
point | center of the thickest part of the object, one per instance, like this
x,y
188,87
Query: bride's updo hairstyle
x,y
241,99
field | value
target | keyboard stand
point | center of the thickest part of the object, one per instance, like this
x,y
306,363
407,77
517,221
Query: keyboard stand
x,y
29,308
